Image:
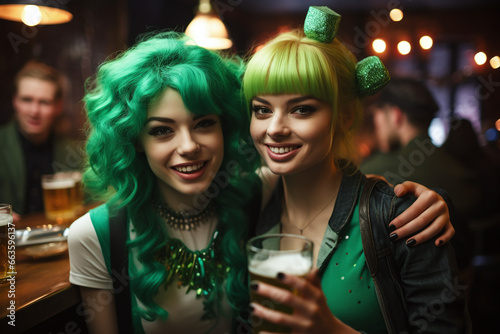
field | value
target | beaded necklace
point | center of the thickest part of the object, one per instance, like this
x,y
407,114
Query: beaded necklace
x,y
185,220
203,271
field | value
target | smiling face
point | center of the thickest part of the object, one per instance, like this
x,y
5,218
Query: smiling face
x,y
293,133
36,108
183,150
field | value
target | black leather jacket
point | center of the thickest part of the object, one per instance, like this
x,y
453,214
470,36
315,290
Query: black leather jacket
x,y
418,288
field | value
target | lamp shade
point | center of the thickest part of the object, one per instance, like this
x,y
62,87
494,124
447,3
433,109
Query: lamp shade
x,y
208,31
33,12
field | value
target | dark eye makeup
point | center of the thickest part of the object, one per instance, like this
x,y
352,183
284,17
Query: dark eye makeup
x,y
158,131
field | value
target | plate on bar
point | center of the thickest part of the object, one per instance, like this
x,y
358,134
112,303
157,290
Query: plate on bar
x,y
45,250
41,235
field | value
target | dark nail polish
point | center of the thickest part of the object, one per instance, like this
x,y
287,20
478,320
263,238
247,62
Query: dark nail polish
x,y
411,243
251,308
254,286
393,237
392,228
440,243
281,276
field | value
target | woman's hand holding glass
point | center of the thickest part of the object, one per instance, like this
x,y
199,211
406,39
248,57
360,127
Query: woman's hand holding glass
x,y
311,313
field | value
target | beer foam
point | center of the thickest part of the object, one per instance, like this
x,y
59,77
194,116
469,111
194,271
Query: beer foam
x,y
5,219
292,264
59,184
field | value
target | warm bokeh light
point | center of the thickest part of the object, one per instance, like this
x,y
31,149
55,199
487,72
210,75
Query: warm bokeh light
x,y
404,47
495,63
31,15
258,47
497,124
396,14
426,42
480,58
379,45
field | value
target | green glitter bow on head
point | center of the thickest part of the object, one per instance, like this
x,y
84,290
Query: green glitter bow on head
x,y
322,24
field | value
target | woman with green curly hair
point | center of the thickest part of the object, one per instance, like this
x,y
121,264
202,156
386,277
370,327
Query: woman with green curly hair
x,y
166,144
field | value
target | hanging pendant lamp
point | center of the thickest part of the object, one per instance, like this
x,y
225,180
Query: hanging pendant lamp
x,y
34,12
207,30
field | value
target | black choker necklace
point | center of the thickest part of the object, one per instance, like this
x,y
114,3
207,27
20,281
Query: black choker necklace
x,y
185,220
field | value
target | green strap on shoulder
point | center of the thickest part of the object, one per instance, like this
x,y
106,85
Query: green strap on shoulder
x,y
100,220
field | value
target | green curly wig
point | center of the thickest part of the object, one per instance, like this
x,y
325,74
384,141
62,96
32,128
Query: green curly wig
x,y
116,102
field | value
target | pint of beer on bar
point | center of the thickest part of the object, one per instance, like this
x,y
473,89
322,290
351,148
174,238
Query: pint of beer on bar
x,y
61,196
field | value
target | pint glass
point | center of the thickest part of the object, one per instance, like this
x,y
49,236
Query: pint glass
x,y
6,220
79,196
60,196
269,255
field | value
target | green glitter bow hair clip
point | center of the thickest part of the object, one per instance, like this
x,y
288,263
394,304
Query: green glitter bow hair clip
x,y
322,24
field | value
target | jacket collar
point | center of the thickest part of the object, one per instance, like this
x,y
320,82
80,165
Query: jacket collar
x,y
346,201
345,204
342,212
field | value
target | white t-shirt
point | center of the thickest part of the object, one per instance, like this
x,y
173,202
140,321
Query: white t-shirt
x,y
88,269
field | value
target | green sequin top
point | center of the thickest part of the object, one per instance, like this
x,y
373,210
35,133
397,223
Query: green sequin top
x,y
347,283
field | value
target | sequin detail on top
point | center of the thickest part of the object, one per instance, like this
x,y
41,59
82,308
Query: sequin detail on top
x,y
348,285
203,271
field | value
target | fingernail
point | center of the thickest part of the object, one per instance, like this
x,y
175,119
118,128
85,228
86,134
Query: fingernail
x,y
280,276
397,190
254,286
440,243
251,308
392,228
411,243
393,237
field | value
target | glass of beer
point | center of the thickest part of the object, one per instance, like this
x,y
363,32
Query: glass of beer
x,y
79,196
6,220
269,255
60,196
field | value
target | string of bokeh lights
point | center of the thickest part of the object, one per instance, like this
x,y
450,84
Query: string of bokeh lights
x,y
426,42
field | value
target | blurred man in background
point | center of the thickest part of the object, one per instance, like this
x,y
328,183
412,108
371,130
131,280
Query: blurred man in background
x,y
402,114
28,145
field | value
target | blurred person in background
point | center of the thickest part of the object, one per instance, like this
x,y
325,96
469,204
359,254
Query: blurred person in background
x,y
402,113
463,144
29,146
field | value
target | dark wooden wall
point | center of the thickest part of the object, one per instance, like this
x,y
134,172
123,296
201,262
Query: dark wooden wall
x,y
100,28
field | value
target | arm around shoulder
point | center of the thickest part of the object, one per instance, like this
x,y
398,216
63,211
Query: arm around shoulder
x,y
433,294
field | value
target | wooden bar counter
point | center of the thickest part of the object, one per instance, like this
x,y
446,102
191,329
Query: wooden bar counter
x,y
41,292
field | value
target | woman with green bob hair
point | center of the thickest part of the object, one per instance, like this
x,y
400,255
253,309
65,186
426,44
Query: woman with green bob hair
x,y
304,91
